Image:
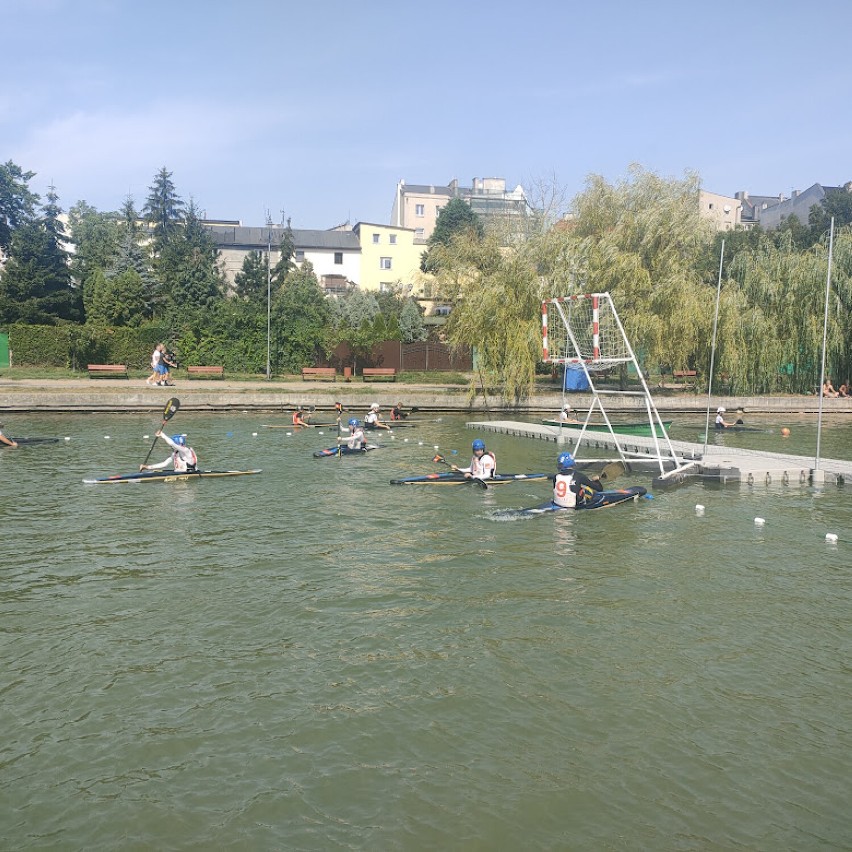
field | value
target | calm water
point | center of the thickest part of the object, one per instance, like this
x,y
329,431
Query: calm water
x,y
314,659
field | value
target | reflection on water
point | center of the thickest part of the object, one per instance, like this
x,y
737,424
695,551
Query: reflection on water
x,y
312,658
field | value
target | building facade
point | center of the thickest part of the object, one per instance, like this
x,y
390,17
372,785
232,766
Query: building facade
x,y
390,258
417,206
335,255
723,211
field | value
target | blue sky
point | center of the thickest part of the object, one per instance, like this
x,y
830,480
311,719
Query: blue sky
x,y
318,109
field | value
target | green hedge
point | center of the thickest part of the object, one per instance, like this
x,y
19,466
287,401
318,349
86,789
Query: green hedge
x,y
75,346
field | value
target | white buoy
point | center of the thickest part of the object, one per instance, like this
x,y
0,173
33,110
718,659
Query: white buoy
x,y
67,438
254,434
404,439
106,437
831,537
289,434
436,446
320,433
759,522
699,509
420,443
144,437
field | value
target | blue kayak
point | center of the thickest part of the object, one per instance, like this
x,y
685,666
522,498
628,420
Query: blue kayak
x,y
600,500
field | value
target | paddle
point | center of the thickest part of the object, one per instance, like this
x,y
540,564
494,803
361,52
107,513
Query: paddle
x,y
480,482
169,411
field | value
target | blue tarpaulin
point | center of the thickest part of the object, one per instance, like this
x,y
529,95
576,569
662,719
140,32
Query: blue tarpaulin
x,y
575,378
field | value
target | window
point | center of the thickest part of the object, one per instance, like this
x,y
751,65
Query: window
x,y
384,263
300,254
338,257
393,239
418,233
419,209
375,239
437,209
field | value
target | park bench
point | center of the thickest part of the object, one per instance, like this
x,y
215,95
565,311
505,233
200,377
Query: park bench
x,y
319,373
685,378
380,373
215,372
107,371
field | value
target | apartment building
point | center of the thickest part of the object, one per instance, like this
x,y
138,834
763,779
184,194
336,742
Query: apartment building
x,y
417,206
390,258
335,254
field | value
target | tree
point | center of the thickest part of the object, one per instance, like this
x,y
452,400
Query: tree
x,y
457,218
17,202
188,266
301,316
132,256
411,325
117,300
163,208
287,251
251,282
95,236
36,285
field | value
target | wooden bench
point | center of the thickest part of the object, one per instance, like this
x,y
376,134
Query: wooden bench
x,y
203,372
319,373
686,378
107,371
381,373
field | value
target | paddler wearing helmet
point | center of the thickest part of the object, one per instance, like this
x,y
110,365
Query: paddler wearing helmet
x,y
356,439
721,423
373,420
483,465
570,487
183,457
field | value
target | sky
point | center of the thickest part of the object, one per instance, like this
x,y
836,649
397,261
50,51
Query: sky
x,y
314,111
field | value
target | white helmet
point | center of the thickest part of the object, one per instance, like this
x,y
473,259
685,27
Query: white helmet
x,y
720,410
374,407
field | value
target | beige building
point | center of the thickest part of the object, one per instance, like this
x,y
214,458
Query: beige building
x,y
417,206
723,211
390,258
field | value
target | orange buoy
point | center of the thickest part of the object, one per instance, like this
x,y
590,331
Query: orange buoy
x,y
785,432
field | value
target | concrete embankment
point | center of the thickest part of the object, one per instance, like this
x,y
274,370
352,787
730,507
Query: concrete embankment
x,y
223,395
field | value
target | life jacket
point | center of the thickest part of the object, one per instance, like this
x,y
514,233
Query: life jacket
x,y
178,462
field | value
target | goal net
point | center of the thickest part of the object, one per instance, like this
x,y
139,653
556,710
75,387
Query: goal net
x,y
585,329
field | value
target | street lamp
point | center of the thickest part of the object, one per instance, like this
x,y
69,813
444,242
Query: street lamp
x,y
268,297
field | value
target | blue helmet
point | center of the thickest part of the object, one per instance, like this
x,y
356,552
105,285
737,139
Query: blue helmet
x,y
565,461
478,445
353,422
180,440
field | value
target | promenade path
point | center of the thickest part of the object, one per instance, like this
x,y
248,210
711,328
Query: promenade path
x,y
85,394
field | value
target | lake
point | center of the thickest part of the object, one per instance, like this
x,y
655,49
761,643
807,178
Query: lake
x,y
312,658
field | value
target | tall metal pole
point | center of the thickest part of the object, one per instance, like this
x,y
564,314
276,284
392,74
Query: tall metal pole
x,y
818,477
268,297
713,351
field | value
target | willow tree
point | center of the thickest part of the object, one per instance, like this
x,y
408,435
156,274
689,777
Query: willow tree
x,y
642,240
777,321
497,296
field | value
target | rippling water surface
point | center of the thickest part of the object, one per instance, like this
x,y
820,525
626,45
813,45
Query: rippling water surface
x,y
314,659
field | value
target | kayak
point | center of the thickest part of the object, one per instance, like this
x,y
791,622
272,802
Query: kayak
x,y
167,476
344,451
741,428
643,428
601,500
393,424
22,441
451,477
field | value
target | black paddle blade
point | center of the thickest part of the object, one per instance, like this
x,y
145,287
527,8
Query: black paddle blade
x,y
171,408
480,482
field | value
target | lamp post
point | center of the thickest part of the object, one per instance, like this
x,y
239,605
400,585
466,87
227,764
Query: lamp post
x,y
268,297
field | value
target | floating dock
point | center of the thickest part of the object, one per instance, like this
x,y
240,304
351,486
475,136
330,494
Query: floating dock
x,y
722,464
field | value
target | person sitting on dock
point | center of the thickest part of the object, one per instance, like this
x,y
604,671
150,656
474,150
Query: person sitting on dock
x,y
483,465
570,487
828,389
721,423
356,438
183,457
843,390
